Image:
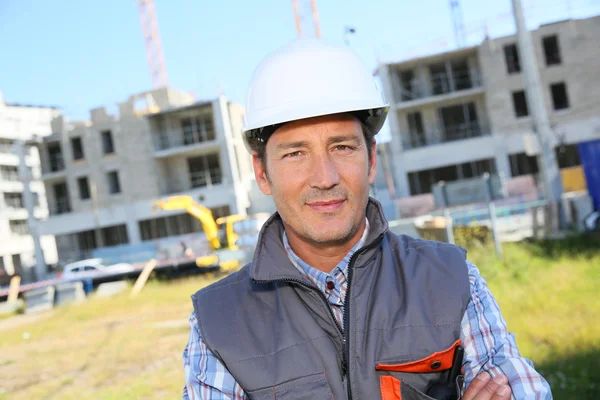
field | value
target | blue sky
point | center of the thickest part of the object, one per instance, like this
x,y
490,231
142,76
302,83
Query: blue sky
x,y
83,54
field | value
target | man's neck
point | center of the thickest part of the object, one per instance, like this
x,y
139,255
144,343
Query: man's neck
x,y
324,258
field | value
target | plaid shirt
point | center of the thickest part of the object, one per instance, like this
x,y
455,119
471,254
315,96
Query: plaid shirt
x,y
488,344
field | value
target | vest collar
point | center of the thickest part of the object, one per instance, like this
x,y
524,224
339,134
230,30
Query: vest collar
x,y
271,261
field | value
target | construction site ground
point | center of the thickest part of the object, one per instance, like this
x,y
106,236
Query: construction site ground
x,y
123,348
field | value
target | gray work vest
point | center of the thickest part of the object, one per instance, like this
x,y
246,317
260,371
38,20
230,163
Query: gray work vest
x,y
278,337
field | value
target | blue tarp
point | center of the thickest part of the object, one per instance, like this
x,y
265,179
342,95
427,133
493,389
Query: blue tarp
x,y
589,152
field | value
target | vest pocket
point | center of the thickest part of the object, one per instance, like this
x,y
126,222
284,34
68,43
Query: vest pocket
x,y
410,379
308,387
395,389
438,361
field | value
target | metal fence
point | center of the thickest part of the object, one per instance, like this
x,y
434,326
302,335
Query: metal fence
x,y
439,83
14,200
6,148
9,174
56,163
60,206
207,177
443,83
183,137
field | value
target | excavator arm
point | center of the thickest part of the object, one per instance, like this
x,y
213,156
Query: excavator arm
x,y
204,214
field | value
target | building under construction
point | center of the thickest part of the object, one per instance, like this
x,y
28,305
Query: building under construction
x,y
103,175
459,114
21,122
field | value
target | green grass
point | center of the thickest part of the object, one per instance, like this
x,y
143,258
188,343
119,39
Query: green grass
x,y
548,293
122,348
105,348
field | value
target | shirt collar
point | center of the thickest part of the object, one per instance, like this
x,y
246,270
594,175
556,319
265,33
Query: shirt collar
x,y
342,266
270,261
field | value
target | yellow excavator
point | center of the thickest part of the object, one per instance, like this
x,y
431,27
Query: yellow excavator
x,y
220,233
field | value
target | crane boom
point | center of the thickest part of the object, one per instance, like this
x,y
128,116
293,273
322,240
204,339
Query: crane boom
x,y
154,52
298,15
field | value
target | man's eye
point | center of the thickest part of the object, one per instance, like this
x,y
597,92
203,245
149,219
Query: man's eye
x,y
343,147
292,154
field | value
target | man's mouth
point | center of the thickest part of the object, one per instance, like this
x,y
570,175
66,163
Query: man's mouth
x,y
326,206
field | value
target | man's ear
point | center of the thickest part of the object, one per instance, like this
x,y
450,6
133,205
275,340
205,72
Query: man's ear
x,y
260,173
373,163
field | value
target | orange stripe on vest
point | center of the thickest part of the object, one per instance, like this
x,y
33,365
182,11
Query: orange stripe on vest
x,y
438,361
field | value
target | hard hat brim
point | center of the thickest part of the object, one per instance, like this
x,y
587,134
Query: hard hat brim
x,y
373,118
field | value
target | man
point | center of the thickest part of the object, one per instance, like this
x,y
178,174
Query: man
x,y
334,305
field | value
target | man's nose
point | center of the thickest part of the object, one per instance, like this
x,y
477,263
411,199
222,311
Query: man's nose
x,y
324,174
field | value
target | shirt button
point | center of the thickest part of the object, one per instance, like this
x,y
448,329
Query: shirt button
x,y
330,285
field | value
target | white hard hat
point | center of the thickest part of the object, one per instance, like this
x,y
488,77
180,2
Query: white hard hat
x,y
309,78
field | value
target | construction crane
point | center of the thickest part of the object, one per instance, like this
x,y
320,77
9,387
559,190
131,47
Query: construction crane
x,y
458,23
300,7
154,52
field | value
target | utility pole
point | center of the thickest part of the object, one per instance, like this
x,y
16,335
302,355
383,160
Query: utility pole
x,y
549,172
489,197
97,231
447,214
25,177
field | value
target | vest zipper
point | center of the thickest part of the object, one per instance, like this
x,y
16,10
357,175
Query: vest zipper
x,y
346,358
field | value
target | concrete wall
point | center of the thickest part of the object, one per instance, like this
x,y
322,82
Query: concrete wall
x,y
229,156
23,122
580,63
393,119
236,116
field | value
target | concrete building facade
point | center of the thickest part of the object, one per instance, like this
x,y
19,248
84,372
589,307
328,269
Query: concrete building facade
x,y
21,123
459,114
102,176
568,58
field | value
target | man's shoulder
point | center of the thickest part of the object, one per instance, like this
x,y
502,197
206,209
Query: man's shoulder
x,y
234,279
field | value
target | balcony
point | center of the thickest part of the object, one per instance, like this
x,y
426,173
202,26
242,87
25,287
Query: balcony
x,y
444,83
56,163
438,87
14,202
6,148
196,180
9,174
183,139
411,91
447,134
54,167
207,178
60,206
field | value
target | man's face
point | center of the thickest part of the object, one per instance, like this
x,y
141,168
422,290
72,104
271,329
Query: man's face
x,y
318,172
